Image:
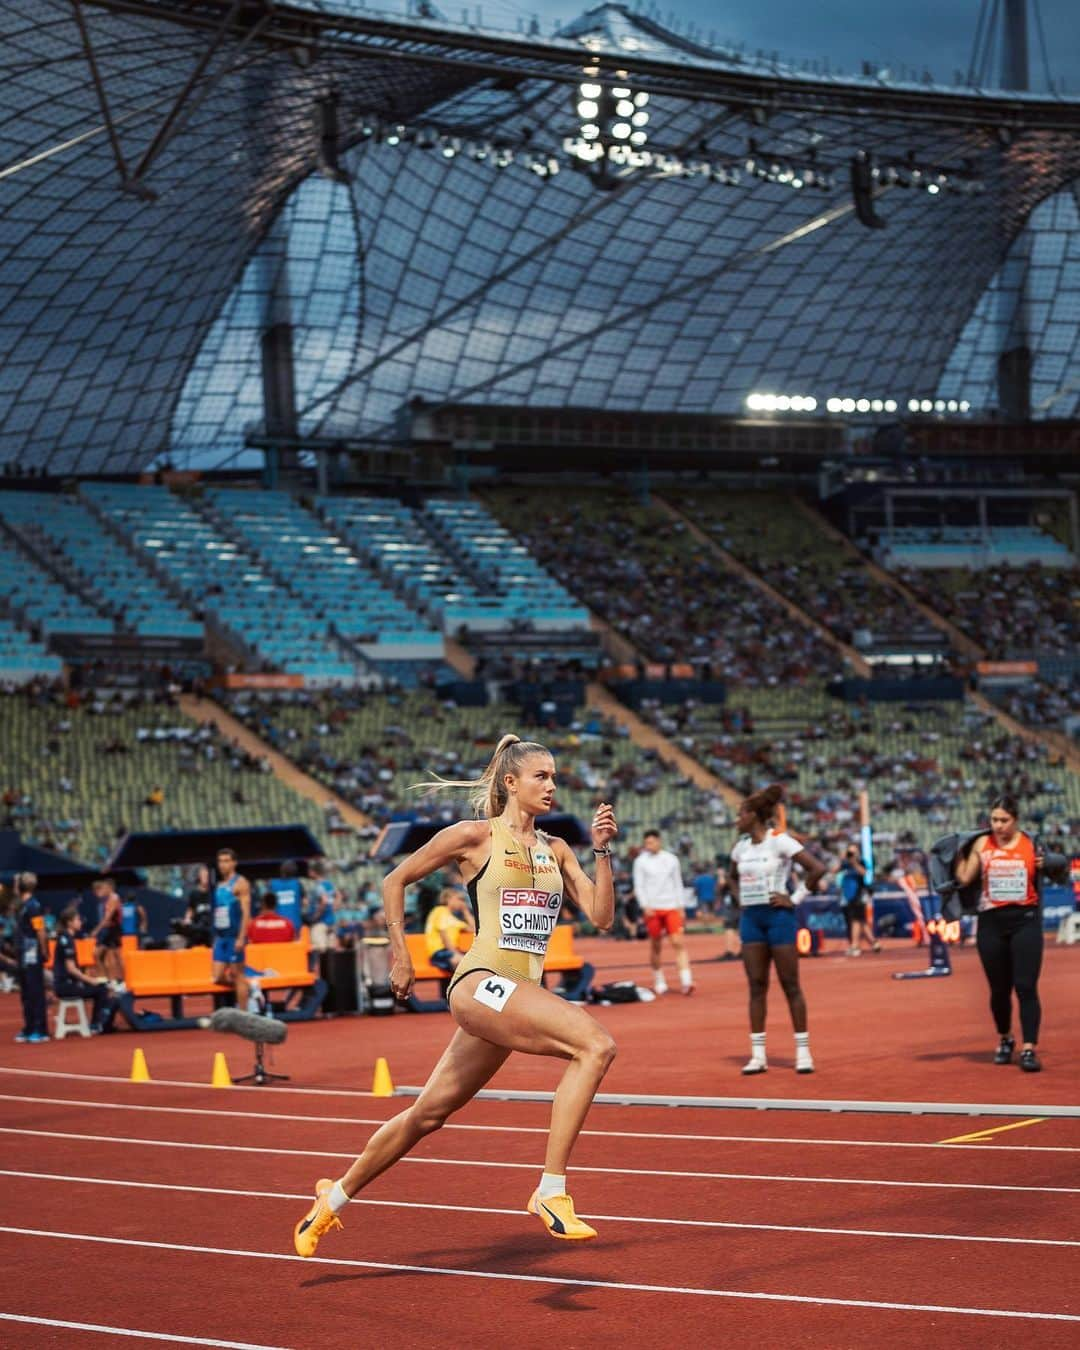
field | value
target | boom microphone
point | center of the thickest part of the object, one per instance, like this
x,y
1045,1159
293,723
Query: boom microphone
x,y
251,1026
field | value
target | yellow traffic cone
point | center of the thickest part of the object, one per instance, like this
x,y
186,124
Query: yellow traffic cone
x,y
383,1086
139,1072
220,1077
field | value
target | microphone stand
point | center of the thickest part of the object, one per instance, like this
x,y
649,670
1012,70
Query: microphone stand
x,y
261,1075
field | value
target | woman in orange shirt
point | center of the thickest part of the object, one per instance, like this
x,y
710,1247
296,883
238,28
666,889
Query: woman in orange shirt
x,y
1010,935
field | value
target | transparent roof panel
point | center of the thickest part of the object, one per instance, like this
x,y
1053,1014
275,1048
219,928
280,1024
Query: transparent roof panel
x,y
130,326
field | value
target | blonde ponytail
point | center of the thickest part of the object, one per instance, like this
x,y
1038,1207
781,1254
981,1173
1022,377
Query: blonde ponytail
x,y
487,794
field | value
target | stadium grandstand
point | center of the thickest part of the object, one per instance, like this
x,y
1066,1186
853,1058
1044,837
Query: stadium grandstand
x,y
376,384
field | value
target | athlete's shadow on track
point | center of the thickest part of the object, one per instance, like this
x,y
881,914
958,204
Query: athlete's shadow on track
x,y
515,1256
943,1056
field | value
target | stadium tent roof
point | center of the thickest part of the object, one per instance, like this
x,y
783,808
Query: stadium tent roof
x,y
131,326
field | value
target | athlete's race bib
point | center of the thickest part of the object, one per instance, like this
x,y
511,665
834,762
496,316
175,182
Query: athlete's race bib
x,y
754,887
494,991
1006,881
222,917
527,919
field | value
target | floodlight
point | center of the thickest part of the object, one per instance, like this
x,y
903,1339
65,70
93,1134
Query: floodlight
x,y
810,404
890,405
588,108
926,406
620,130
641,98
847,405
862,405
624,108
640,119
876,405
621,93
590,90
638,138
835,405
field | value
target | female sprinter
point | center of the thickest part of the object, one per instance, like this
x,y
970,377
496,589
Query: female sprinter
x,y
1010,933
515,877
760,867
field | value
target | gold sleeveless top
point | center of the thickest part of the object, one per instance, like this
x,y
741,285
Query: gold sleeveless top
x,y
516,897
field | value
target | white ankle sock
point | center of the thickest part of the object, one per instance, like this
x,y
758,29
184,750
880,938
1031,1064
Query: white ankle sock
x,y
336,1197
551,1184
659,983
685,978
757,1045
802,1040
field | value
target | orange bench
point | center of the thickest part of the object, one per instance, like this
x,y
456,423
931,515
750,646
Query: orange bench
x,y
84,952
174,974
560,953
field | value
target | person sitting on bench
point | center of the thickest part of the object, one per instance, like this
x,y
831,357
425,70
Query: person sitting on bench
x,y
68,979
447,921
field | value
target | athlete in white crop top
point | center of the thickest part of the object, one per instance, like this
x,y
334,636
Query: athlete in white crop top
x,y
760,869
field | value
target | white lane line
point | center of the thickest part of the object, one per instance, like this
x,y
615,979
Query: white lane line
x,y
527,1129
305,1197
572,1282
531,1166
629,1101
170,1337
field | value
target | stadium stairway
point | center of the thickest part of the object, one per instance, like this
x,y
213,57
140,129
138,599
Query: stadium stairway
x,y
1045,736
35,596
23,525
960,641
68,538
205,709
601,698
739,569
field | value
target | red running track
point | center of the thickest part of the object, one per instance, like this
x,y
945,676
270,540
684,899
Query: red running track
x,y
167,1210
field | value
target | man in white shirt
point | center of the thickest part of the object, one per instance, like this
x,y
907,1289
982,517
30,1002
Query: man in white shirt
x,y
658,886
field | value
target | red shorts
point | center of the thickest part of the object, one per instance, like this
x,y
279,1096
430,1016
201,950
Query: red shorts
x,y
661,921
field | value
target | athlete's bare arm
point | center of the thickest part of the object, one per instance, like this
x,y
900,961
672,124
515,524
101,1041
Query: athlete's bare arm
x,y
467,843
813,869
243,895
597,898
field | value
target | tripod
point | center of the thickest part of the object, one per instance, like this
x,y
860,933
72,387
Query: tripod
x,y
261,1075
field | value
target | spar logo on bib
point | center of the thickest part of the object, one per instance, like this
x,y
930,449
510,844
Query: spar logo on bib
x,y
527,919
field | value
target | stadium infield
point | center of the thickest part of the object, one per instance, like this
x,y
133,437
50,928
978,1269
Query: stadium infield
x,y
161,1213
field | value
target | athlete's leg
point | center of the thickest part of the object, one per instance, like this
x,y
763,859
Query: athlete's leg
x,y
995,953
1027,955
755,957
466,1065
538,1022
786,961
656,942
682,959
